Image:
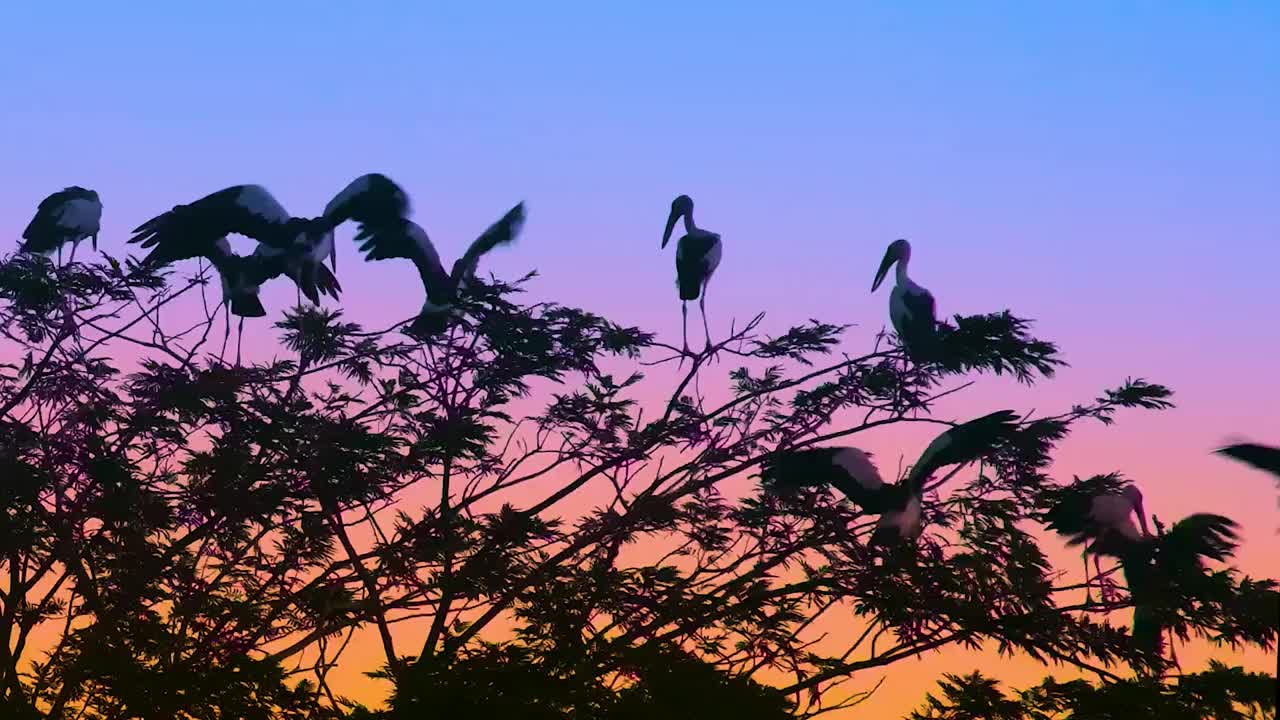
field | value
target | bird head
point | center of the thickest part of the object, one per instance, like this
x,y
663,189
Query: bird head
x,y
1134,496
898,251
680,207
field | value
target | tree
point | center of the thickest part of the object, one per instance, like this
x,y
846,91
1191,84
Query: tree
x,y
202,538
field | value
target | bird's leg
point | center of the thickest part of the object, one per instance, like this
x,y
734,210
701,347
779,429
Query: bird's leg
x,y
239,340
72,259
702,308
684,327
59,255
226,335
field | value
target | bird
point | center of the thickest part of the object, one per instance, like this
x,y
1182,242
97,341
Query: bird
x,y
67,216
288,245
406,239
899,505
912,309
1159,569
698,255
1261,457
1097,513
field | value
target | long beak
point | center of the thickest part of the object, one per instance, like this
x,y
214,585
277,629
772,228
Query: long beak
x,y
671,224
1142,518
889,259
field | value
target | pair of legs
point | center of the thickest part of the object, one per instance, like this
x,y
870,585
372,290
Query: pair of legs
x,y
684,318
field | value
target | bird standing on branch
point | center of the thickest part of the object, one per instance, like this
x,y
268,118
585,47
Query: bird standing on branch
x,y
1098,514
899,504
698,254
911,307
67,216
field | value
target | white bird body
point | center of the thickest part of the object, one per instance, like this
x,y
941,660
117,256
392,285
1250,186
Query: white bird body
x,y
1114,512
907,522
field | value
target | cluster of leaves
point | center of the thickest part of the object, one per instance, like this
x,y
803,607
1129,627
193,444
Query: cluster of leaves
x,y
205,538
1220,692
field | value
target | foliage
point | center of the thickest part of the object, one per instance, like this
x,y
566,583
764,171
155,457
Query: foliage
x,y
508,511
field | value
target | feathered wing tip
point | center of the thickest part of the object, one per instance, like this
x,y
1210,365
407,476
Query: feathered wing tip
x,y
1203,534
503,232
327,282
964,443
372,198
1261,457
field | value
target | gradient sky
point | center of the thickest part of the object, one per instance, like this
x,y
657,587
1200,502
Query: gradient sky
x,y
1110,169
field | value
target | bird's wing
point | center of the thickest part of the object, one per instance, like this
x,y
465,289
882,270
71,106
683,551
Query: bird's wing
x,y
919,302
187,230
1262,457
1199,535
372,199
847,469
502,232
963,443
406,239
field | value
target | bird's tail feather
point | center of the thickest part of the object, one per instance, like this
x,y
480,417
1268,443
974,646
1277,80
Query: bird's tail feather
x,y
247,305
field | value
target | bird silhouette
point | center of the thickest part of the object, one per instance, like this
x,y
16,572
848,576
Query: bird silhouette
x,y
67,216
406,239
698,255
899,505
912,309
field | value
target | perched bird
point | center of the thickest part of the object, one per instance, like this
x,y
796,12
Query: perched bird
x,y
1098,514
697,257
406,239
1261,457
288,245
67,216
851,471
911,307
1161,571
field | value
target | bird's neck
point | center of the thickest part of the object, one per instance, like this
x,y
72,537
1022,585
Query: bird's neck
x,y
900,271
689,225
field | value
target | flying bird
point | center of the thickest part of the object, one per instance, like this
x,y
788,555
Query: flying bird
x,y
911,307
1098,514
67,216
406,239
698,254
288,245
851,471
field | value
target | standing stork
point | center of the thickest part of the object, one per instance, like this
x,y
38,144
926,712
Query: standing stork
x,y
698,254
406,239
288,245
1097,513
911,307
67,216
898,504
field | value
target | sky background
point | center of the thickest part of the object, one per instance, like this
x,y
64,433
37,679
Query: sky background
x,y
1109,169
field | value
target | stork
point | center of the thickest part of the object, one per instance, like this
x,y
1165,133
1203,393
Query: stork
x,y
289,245
1155,566
911,307
698,254
406,239
67,216
851,471
1097,513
